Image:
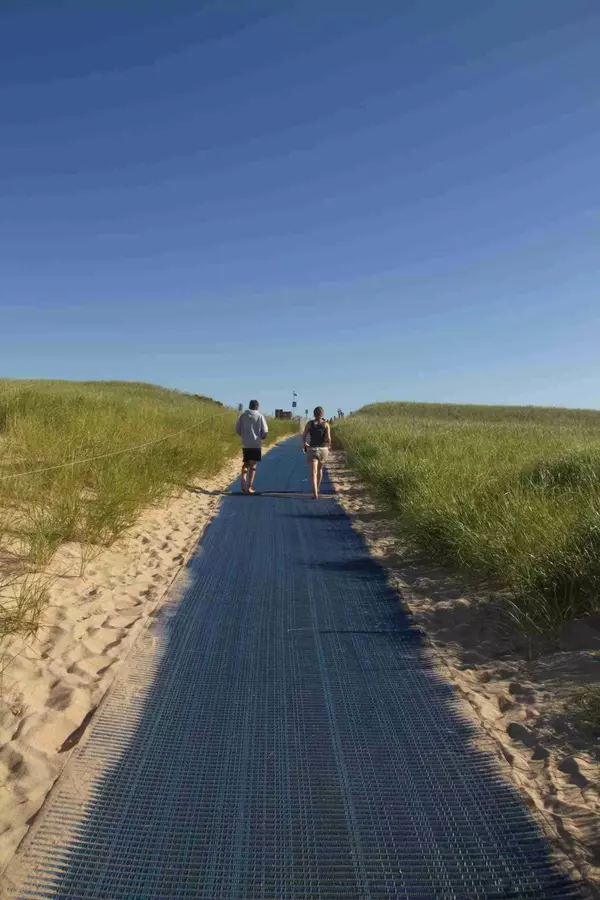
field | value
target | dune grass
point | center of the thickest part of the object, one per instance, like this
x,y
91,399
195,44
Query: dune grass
x,y
507,492
584,704
46,424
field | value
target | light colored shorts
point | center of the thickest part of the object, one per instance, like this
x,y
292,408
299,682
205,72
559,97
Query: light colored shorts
x,y
318,453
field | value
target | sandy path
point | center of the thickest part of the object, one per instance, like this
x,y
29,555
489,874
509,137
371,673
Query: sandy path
x,y
516,688
51,685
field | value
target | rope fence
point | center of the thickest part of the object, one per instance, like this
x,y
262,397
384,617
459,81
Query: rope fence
x,y
87,459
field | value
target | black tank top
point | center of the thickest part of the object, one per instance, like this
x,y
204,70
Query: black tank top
x,y
318,433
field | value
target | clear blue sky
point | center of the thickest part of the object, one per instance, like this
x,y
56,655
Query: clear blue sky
x,y
395,199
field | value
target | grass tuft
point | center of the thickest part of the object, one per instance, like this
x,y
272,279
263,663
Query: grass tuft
x,y
584,703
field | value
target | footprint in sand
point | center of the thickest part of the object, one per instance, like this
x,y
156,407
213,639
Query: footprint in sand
x,y
13,763
74,655
92,667
571,767
103,641
523,735
89,624
57,642
60,697
129,611
123,622
505,703
525,693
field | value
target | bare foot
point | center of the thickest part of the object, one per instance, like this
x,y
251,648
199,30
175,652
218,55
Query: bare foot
x,y
250,491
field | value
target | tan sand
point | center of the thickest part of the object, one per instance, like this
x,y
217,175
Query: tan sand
x,y
515,687
51,684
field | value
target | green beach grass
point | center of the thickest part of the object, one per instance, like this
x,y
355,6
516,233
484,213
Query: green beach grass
x,y
509,493
45,424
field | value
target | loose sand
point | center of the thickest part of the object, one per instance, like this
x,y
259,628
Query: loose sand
x,y
516,687
52,684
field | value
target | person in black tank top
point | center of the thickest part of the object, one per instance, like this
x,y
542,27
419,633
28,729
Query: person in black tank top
x,y
317,443
317,433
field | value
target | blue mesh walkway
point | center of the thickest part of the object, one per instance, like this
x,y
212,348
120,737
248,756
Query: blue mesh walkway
x,y
282,734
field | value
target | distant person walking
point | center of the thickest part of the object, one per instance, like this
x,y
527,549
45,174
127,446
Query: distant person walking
x,y
252,428
317,443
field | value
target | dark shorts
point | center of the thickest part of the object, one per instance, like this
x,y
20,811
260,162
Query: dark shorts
x,y
251,454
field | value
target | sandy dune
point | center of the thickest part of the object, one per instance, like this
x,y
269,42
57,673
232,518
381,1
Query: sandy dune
x,y
51,685
517,687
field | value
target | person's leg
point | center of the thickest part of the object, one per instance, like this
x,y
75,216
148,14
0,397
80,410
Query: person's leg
x,y
251,474
320,474
314,464
244,476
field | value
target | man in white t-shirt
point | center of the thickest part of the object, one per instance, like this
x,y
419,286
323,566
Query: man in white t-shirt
x,y
252,428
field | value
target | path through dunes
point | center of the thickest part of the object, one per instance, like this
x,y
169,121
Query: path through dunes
x,y
282,733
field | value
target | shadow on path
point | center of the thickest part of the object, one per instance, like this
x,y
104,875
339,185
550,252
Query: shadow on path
x,y
286,738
